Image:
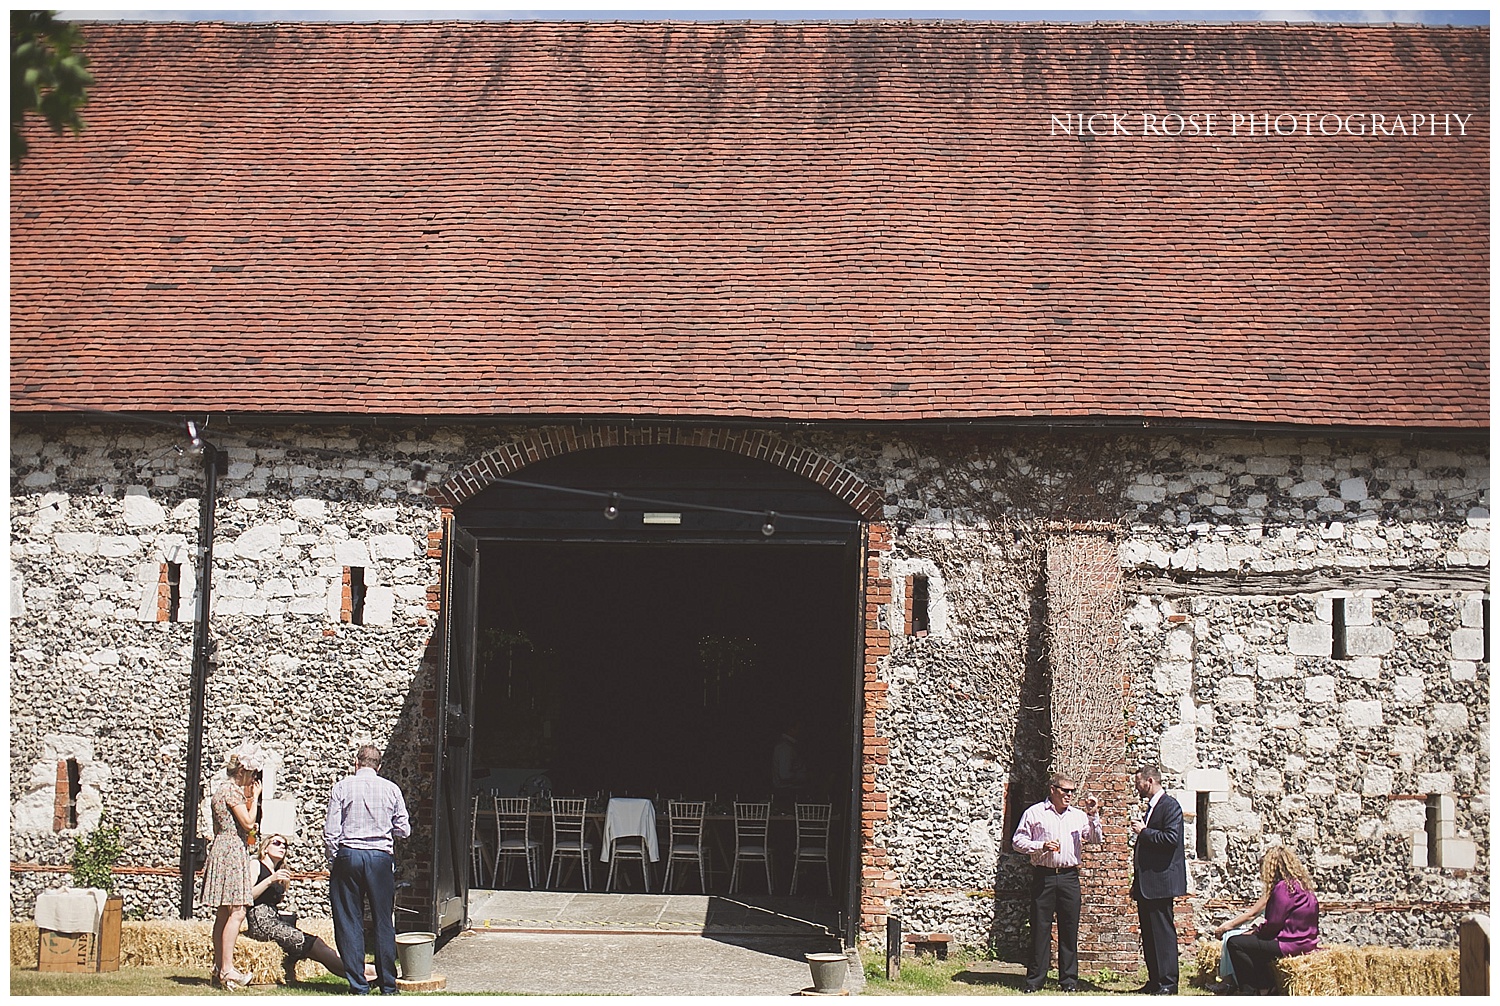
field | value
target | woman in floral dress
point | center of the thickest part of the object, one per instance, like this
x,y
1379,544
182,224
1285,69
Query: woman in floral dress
x,y
228,876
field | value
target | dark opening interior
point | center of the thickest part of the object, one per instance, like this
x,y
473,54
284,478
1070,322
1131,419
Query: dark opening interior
x,y
662,670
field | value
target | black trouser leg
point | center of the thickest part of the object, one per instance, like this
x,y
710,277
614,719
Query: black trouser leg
x,y
1043,907
1253,960
1069,900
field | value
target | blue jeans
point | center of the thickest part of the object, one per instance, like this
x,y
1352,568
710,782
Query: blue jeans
x,y
358,876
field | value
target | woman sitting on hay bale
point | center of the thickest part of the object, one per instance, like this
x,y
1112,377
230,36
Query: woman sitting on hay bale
x,y
266,923
1290,927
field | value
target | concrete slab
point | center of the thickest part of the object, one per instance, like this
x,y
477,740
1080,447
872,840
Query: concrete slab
x,y
625,964
574,943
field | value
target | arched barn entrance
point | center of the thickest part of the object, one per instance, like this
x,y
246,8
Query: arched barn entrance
x,y
656,650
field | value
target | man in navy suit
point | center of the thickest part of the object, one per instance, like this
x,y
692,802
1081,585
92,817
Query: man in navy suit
x,y
1160,876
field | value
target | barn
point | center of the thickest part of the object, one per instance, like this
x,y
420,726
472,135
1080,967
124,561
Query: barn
x,y
569,407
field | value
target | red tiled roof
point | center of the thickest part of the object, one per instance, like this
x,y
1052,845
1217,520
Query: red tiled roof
x,y
782,221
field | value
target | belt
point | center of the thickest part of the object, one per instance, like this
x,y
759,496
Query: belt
x,y
1055,869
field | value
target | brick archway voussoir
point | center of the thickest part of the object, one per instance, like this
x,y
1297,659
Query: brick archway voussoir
x,y
551,441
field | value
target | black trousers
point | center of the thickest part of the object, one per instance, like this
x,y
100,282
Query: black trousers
x,y
1054,894
1254,960
1158,943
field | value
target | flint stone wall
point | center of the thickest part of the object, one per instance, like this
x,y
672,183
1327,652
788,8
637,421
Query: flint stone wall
x,y
97,509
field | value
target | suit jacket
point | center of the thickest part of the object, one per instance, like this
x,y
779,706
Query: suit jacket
x,y
1160,865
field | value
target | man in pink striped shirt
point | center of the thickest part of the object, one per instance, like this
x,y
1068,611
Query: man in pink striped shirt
x,y
1053,834
365,815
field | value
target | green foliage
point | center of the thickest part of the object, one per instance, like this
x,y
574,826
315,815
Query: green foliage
x,y
95,856
1107,976
47,74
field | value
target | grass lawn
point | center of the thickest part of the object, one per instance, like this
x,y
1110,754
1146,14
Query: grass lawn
x,y
965,975
157,981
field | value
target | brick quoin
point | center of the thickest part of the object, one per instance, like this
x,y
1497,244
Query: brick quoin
x,y
1109,930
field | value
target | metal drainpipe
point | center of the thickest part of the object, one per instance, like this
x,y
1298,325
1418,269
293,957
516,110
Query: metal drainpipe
x,y
192,846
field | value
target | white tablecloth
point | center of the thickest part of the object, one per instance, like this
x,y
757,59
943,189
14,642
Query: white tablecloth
x,y
74,911
627,817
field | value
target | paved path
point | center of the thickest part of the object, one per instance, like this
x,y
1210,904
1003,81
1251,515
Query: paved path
x,y
559,943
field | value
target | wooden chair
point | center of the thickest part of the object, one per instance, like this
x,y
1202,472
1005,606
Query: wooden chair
x,y
513,826
568,817
685,823
751,822
812,840
638,815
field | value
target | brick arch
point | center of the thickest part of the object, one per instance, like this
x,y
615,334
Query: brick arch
x,y
551,441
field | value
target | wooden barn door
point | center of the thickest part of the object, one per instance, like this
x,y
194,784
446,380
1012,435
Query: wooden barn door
x,y
454,729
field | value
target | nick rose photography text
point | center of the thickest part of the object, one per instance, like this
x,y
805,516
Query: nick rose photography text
x,y
1174,124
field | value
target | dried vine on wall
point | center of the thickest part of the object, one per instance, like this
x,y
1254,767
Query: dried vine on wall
x,y
1056,496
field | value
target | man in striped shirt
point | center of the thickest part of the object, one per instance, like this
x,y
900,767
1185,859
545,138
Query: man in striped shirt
x,y
1053,834
365,815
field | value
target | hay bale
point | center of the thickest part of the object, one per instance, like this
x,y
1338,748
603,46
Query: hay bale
x,y
1206,953
1363,971
187,945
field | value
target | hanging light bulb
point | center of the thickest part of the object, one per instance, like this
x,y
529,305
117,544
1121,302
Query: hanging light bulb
x,y
196,447
613,510
769,527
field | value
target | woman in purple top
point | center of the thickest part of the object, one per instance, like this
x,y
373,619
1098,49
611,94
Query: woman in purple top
x,y
1290,927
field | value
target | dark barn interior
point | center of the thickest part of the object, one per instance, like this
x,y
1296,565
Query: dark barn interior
x,y
663,670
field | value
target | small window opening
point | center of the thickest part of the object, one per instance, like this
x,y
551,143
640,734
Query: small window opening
x,y
174,590
1434,828
65,812
1484,624
357,595
1200,826
1340,630
920,622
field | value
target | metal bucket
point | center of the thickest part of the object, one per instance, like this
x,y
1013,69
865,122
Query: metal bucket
x,y
414,954
828,971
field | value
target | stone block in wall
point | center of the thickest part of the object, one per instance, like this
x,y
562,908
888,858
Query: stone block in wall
x,y
351,553
1450,717
1236,691
1173,677
1177,751
1408,689
1361,713
1468,644
1364,668
1208,780
1457,853
1311,640
1378,781
1276,665
1320,688
1321,739
380,604
1463,670
1438,783
1359,611
1369,640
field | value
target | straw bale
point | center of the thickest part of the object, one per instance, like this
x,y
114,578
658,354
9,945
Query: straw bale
x,y
185,944
1340,970
1206,953
1363,971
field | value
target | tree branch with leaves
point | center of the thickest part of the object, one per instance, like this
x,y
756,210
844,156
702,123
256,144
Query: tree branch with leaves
x,y
48,74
